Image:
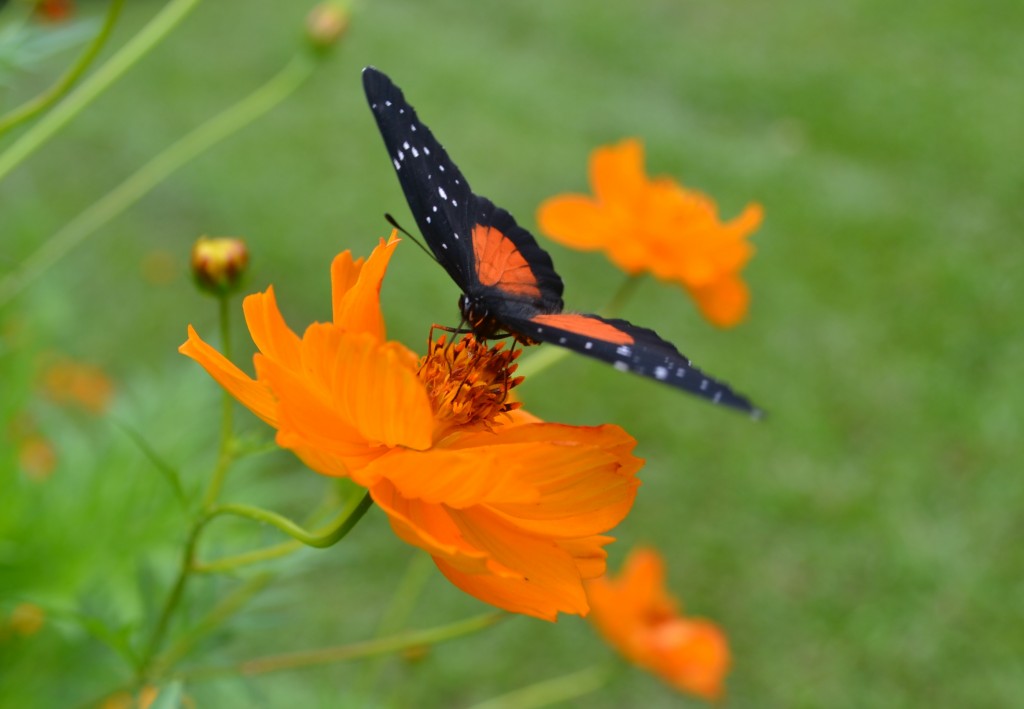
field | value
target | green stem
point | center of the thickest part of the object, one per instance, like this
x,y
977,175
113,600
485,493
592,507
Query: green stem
x,y
224,456
403,602
370,648
230,563
47,98
153,172
321,539
111,71
177,591
225,608
624,293
550,692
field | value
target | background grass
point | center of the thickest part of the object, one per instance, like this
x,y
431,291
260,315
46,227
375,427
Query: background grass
x,y
861,546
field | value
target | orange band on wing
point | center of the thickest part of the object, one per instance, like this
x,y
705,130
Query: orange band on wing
x,y
588,327
499,263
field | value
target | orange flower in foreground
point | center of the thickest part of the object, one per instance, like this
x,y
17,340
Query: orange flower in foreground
x,y
659,226
511,509
638,617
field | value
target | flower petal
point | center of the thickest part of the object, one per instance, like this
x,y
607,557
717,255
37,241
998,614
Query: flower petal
x,y
550,581
617,172
576,221
256,396
355,290
268,329
724,303
353,397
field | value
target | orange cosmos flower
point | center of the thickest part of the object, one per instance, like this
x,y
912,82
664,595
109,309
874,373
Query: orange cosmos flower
x,y
659,226
511,509
638,617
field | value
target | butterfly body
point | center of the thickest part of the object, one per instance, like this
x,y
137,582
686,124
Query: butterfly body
x,y
509,284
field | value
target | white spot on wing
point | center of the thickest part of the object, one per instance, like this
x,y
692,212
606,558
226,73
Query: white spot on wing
x,y
440,191
441,168
413,128
718,397
401,155
398,165
435,207
405,145
704,385
624,351
426,150
454,203
621,366
415,152
428,220
660,373
455,235
387,103
588,346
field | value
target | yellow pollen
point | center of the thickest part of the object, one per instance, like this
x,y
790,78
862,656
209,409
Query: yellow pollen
x,y
469,383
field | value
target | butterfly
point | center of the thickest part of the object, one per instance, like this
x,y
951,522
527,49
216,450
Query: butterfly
x,y
509,284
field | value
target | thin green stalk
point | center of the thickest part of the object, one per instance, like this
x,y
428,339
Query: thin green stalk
x,y
355,651
40,103
224,609
399,610
550,692
173,599
226,123
321,539
147,38
224,456
230,563
624,293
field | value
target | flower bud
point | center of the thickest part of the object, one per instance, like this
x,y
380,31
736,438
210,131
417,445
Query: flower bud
x,y
325,25
219,263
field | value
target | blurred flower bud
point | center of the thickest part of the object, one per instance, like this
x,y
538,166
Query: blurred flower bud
x,y
219,263
325,25
27,619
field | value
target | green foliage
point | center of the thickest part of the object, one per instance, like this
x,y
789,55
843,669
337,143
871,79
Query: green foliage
x,y
859,546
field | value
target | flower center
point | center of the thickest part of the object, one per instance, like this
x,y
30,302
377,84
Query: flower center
x,y
468,383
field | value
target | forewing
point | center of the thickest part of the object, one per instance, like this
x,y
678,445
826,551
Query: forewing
x,y
458,225
630,349
439,197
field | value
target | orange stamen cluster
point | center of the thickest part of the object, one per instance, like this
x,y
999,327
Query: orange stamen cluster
x,y
469,383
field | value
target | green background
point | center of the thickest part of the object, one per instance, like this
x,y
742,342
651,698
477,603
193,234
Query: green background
x,y
861,547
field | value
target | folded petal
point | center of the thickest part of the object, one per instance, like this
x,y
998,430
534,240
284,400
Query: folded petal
x,y
549,580
357,304
268,329
257,397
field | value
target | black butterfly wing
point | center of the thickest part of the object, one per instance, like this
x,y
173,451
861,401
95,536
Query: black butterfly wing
x,y
461,228
630,349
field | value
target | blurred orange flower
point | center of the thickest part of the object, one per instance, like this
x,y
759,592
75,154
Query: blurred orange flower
x,y
66,381
638,617
511,509
36,457
54,10
657,225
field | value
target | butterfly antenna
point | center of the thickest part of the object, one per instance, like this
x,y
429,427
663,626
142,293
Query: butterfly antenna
x,y
393,222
